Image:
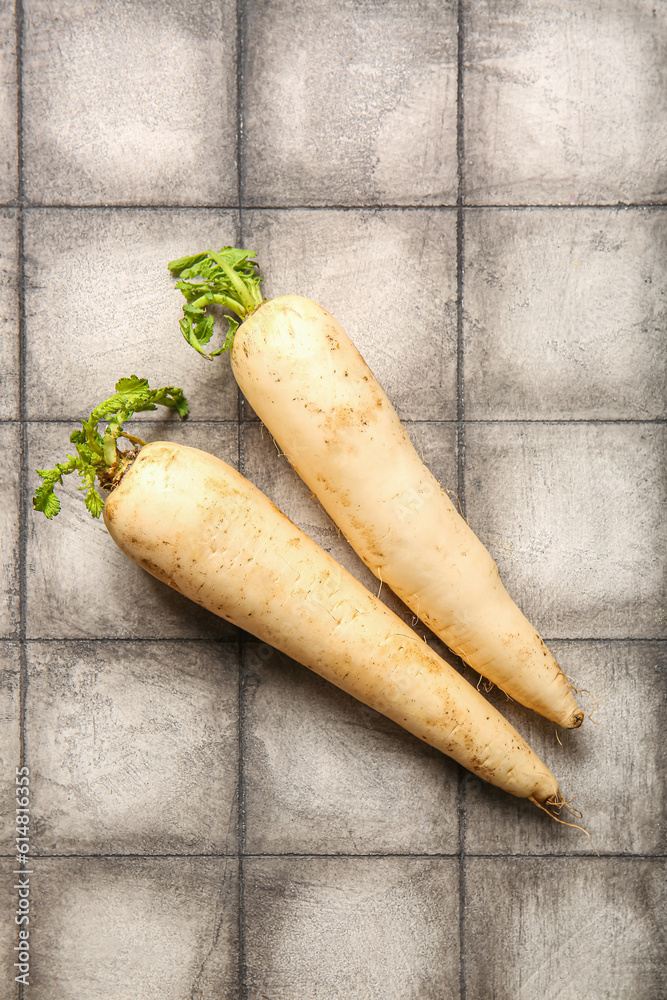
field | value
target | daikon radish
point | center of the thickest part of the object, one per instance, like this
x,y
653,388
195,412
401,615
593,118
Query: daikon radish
x,y
309,385
196,524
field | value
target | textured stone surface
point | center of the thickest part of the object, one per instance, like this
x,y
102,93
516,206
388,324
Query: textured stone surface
x,y
133,749
536,927
9,530
8,105
100,304
80,585
9,315
352,927
542,326
564,102
565,314
354,263
134,104
350,103
160,928
574,516
614,769
326,775
9,741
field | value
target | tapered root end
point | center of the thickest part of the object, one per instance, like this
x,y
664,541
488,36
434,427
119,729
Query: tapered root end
x,y
576,720
568,717
554,805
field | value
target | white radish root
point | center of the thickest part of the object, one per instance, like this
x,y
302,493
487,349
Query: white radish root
x,y
310,386
198,525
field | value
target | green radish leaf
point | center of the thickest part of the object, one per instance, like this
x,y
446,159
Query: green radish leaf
x,y
46,501
97,454
94,502
227,278
198,334
233,325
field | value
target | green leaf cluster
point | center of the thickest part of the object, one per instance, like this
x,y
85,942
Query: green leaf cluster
x,y
97,454
227,278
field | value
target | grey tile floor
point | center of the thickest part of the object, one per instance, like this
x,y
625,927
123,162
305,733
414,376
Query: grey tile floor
x,y
477,190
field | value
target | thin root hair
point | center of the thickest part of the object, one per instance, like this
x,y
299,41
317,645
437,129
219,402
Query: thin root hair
x,y
594,709
450,494
558,802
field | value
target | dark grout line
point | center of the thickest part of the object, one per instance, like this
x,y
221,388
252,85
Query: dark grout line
x,y
563,207
236,855
241,828
129,207
462,856
23,464
247,421
213,855
470,854
232,207
240,52
136,421
241,814
460,249
130,640
347,854
379,207
23,468
590,639
247,639
559,420
460,443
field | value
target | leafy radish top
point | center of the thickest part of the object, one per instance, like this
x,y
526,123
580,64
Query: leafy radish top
x,y
97,455
227,278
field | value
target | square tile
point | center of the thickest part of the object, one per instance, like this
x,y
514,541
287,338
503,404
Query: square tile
x,y
564,102
10,750
133,747
9,182
564,314
10,445
133,105
349,262
270,471
9,315
613,769
350,104
555,928
101,304
80,585
352,927
325,774
573,515
156,928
